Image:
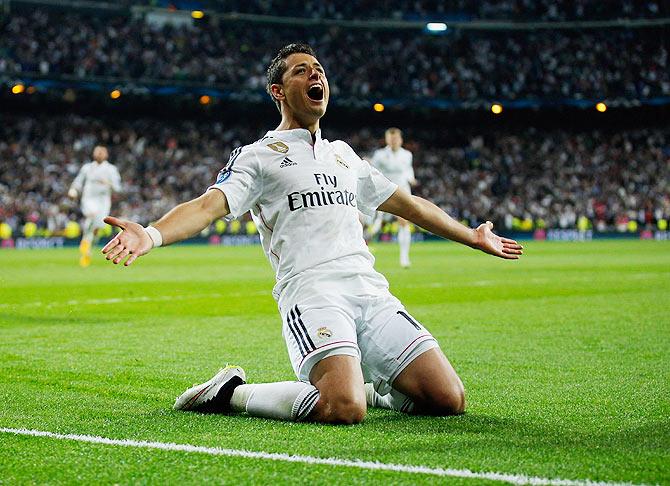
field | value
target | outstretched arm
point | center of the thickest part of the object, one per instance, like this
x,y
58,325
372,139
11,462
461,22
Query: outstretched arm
x,y
430,217
77,183
179,223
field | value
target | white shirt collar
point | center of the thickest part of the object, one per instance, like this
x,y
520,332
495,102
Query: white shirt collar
x,y
296,134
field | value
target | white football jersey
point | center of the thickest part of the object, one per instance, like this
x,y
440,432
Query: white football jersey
x,y
96,181
397,166
304,197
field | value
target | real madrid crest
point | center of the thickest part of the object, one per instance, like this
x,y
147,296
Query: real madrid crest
x,y
280,147
324,332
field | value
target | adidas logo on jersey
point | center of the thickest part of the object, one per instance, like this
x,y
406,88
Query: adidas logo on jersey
x,y
286,163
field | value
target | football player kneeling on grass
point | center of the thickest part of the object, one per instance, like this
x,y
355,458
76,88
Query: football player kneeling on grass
x,y
352,344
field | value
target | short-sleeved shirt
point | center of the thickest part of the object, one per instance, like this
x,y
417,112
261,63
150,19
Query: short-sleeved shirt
x,y
304,194
396,165
96,181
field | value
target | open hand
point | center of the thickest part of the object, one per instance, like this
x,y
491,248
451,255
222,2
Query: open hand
x,y
132,242
490,243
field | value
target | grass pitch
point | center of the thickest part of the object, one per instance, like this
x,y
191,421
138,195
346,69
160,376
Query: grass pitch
x,y
563,355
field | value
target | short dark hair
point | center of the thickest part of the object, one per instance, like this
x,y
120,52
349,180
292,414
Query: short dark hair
x,y
277,66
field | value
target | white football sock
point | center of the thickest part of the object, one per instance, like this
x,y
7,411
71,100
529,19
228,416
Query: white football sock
x,y
392,401
404,240
284,400
89,231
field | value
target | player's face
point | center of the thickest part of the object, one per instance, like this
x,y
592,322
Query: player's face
x,y
100,154
394,140
305,88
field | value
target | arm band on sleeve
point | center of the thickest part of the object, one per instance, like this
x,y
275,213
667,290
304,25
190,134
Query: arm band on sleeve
x,y
155,235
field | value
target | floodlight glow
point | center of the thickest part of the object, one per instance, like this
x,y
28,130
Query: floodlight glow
x,y
601,107
496,108
378,107
197,14
18,88
115,94
205,100
436,27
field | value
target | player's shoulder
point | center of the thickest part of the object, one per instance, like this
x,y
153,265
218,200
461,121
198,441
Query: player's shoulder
x,y
346,155
257,154
379,152
342,148
262,149
248,153
108,165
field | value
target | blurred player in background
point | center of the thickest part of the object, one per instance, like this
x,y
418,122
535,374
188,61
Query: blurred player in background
x,y
395,163
95,182
341,324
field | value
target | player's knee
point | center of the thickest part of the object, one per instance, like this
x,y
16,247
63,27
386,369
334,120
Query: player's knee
x,y
340,410
349,412
448,401
441,400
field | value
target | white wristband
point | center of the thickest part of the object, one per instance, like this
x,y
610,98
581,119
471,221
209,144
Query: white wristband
x,y
155,235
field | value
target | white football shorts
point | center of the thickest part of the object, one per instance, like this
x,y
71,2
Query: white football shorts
x,y
376,329
95,210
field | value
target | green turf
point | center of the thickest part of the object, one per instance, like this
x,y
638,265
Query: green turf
x,y
563,356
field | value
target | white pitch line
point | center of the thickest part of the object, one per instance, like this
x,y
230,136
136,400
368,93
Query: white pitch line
x,y
111,300
527,281
329,461
123,300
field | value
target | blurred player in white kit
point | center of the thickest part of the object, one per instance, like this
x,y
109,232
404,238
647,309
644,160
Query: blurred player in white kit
x,y
95,182
395,163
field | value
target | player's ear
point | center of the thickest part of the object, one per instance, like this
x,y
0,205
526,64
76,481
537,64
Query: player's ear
x,y
277,91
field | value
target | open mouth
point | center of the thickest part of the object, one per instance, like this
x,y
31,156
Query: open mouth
x,y
315,92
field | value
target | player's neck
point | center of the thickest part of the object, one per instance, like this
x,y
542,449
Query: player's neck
x,y
290,123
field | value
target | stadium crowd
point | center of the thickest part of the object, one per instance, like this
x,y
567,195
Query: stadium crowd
x,y
544,10
552,179
539,10
521,180
462,66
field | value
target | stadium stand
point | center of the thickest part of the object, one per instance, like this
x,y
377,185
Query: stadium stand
x,y
452,9
467,67
542,10
520,180
606,178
